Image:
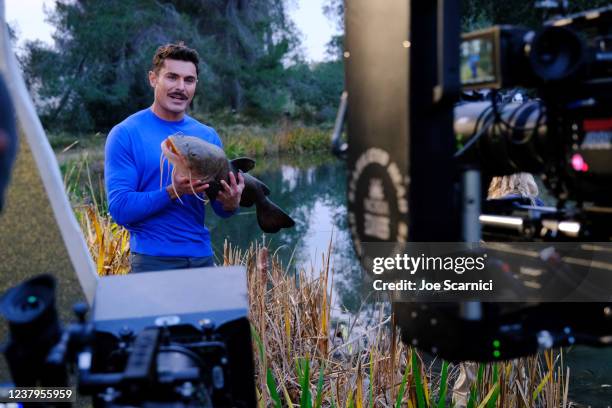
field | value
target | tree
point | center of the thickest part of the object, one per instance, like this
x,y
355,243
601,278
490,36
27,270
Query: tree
x,y
334,10
478,14
95,75
316,89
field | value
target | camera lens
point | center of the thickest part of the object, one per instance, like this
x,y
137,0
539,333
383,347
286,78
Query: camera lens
x,y
30,308
556,53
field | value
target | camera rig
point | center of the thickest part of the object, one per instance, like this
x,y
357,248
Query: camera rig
x,y
184,343
420,159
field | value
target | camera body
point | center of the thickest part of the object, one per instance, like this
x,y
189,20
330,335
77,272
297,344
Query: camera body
x,y
166,338
565,131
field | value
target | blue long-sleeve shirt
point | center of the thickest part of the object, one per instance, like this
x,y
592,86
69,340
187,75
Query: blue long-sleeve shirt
x,y
158,225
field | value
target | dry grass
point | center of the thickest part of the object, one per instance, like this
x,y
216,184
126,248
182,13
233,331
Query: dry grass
x,y
108,243
303,358
291,316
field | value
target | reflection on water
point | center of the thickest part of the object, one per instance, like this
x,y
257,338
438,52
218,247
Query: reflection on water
x,y
313,191
590,377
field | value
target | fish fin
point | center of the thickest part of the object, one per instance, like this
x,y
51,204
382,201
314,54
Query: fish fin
x,y
272,218
244,164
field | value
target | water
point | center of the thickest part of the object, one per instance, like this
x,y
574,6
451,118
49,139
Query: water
x,y
312,188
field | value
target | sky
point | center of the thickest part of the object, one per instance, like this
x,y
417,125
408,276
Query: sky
x,y
316,29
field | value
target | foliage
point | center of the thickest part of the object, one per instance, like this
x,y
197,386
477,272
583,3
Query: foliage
x,y
298,362
95,75
478,14
316,89
334,10
475,14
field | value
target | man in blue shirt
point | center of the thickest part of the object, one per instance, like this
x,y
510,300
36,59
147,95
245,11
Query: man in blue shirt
x,y
165,233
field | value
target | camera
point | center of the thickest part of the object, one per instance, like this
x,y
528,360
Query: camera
x,y
432,117
183,344
177,338
564,131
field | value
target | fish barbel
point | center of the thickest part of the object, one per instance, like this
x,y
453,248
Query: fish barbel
x,y
195,158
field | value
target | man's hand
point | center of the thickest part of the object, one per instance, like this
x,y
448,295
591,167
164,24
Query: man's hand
x,y
182,186
229,197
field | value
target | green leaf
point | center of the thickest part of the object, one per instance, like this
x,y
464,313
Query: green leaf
x,y
319,397
495,393
259,343
443,385
492,394
400,394
540,387
305,400
418,382
472,400
272,389
480,374
351,402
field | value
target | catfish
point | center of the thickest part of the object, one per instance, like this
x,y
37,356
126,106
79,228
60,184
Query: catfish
x,y
195,158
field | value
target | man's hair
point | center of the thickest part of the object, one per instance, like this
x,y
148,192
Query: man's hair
x,y
177,51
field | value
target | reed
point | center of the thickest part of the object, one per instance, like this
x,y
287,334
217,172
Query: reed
x,y
304,357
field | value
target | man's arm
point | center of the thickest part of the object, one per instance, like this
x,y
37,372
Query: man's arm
x,y
126,205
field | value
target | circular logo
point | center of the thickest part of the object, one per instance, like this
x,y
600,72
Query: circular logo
x,y
377,199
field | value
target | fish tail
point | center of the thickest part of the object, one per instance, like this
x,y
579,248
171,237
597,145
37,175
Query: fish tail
x,y
271,218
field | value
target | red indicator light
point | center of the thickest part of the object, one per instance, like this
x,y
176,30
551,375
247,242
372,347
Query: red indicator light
x,y
597,125
578,163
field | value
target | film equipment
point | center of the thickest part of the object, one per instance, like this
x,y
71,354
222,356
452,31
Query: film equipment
x,y
162,339
423,147
166,338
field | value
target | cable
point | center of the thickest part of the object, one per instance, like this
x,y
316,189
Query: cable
x,y
472,140
499,119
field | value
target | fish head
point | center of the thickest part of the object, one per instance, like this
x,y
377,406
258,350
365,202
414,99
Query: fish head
x,y
194,156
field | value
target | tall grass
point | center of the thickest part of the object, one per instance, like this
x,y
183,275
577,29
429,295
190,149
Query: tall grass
x,y
297,355
304,358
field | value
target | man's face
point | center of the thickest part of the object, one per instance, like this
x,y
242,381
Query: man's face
x,y
174,86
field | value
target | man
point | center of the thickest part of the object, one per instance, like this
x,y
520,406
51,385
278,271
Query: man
x,y
164,233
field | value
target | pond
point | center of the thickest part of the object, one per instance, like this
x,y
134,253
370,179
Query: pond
x,y
312,188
